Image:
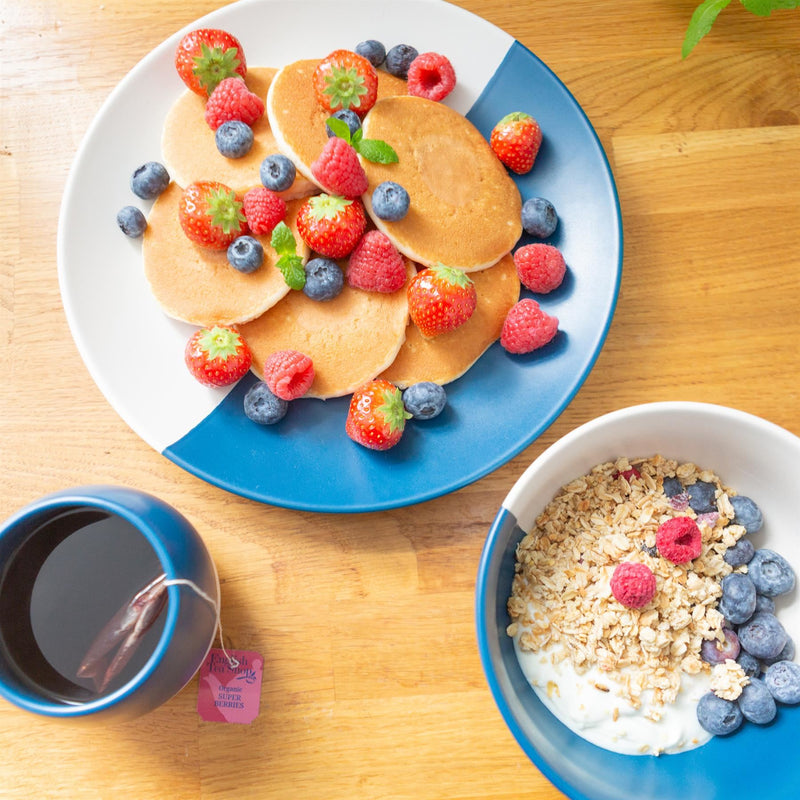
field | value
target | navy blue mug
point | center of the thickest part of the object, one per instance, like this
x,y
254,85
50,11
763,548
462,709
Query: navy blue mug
x,y
109,604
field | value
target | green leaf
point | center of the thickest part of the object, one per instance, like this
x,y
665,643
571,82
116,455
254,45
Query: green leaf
x,y
377,151
282,240
339,127
700,24
765,7
293,271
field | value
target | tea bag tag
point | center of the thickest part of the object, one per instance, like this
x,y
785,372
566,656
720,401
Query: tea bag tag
x,y
230,686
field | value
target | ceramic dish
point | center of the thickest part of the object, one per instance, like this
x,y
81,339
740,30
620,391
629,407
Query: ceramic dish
x,y
756,458
135,353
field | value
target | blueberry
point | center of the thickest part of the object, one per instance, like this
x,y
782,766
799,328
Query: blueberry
x,y
245,254
277,172
149,180
702,497
719,717
672,486
372,50
234,139
131,221
783,682
757,703
390,201
764,603
324,279
349,117
738,601
787,654
425,400
762,636
262,406
539,217
715,652
746,513
740,553
399,59
749,664
771,573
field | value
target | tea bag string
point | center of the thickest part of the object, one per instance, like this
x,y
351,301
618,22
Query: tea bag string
x,y
232,660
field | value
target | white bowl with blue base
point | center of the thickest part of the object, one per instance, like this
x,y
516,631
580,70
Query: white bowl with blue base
x,y
752,456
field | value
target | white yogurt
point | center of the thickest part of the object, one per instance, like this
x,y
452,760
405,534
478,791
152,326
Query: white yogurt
x,y
608,719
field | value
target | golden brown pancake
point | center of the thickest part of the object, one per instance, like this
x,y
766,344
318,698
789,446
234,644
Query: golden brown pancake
x,y
449,355
465,209
198,285
190,152
350,339
296,117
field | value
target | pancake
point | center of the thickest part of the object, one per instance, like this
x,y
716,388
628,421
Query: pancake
x,y
465,209
350,339
297,119
196,284
449,355
190,153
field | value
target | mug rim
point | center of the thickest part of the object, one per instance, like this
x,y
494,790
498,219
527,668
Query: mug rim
x,y
101,496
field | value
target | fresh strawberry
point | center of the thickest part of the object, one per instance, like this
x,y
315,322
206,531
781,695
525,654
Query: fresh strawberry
x,y
440,299
206,56
211,215
516,140
345,79
263,209
375,265
217,356
331,225
377,417
338,169
431,75
232,100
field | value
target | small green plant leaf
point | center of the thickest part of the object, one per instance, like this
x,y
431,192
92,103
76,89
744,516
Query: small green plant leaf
x,y
282,240
377,151
765,7
293,271
701,22
339,127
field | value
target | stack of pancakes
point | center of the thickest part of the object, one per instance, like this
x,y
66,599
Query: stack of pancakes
x,y
465,213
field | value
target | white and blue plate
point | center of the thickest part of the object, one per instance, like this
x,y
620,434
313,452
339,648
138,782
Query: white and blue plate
x,y
135,353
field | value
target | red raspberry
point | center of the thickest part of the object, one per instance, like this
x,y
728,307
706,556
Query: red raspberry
x,y
679,540
288,374
375,265
233,100
431,75
540,267
527,327
633,584
263,210
339,171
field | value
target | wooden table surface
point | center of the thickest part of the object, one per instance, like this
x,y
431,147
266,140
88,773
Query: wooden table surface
x,y
373,685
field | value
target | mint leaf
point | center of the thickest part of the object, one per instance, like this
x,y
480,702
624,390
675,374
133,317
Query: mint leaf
x,y
293,271
377,151
765,7
339,127
282,240
700,24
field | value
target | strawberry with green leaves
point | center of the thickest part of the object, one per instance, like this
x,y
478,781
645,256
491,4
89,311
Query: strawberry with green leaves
x,y
516,140
331,225
344,79
217,356
377,417
440,299
206,56
211,214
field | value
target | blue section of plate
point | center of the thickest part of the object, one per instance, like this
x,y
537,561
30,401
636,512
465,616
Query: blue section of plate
x,y
739,766
503,403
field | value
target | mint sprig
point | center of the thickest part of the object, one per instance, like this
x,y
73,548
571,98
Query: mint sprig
x,y
289,263
707,12
375,150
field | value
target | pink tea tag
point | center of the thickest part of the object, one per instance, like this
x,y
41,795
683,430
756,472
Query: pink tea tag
x,y
230,686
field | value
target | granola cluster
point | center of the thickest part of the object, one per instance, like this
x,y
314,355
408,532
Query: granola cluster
x,y
561,598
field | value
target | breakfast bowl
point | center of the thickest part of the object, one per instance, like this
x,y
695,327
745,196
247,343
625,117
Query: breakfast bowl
x,y
753,457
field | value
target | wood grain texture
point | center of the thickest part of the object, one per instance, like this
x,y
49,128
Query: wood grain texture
x,y
373,687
